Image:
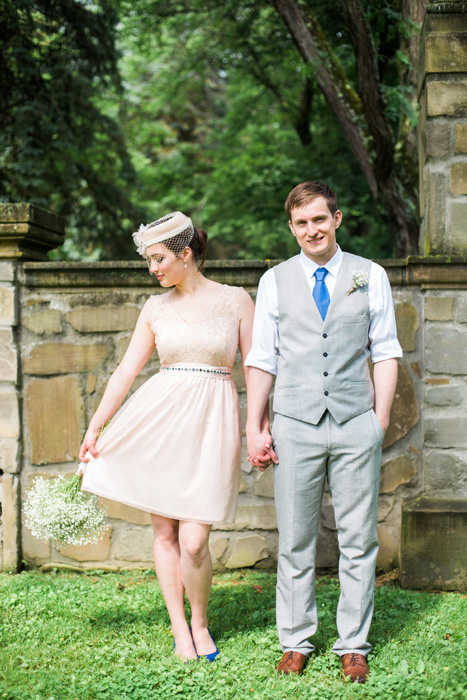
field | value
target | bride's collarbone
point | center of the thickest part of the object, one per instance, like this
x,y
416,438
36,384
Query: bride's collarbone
x,y
198,305
195,315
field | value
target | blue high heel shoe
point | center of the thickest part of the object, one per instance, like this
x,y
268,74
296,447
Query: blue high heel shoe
x,y
213,654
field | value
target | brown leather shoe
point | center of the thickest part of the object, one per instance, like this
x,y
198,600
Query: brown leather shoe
x,y
292,662
355,666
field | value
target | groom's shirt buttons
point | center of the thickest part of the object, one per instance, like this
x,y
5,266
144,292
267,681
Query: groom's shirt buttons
x,y
325,374
325,354
326,393
325,335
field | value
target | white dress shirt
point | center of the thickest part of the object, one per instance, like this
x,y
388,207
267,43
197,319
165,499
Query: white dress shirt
x,y
382,333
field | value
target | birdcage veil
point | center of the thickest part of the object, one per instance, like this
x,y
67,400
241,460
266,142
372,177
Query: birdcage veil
x,y
175,230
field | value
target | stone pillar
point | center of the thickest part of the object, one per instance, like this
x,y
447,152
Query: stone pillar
x,y
433,541
10,424
27,232
442,89
433,535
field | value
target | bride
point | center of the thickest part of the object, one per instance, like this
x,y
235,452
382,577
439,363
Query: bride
x,y
173,449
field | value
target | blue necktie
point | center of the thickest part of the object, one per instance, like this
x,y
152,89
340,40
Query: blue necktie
x,y
320,292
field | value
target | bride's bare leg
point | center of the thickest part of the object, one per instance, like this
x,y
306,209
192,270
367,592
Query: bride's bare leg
x,y
168,570
196,567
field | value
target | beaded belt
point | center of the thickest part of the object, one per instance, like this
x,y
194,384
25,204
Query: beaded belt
x,y
175,368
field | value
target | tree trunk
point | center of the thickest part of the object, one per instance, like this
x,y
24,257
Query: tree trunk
x,y
302,122
369,89
378,167
407,229
294,21
390,185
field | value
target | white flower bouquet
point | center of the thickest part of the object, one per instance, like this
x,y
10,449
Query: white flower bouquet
x,y
58,510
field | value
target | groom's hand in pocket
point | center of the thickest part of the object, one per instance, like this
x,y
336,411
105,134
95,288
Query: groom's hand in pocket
x,y
384,420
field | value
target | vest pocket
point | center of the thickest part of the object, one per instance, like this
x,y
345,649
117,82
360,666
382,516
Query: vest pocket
x,y
278,387
352,320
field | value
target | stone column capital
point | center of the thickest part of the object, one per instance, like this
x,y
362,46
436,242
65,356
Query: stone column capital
x,y
28,232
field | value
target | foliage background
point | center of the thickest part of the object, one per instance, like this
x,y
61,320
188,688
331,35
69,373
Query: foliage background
x,y
115,112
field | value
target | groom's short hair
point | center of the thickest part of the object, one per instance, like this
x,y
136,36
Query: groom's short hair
x,y
306,191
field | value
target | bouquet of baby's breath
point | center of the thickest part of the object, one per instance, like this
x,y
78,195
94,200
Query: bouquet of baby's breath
x,y
58,510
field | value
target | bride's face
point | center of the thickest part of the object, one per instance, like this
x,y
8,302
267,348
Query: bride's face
x,y
164,264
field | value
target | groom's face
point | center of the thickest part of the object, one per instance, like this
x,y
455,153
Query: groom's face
x,y
314,227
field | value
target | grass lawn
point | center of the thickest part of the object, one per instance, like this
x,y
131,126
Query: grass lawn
x,y
92,636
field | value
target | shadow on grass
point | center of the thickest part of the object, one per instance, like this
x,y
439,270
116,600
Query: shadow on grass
x,y
241,608
235,606
397,613
238,606
127,618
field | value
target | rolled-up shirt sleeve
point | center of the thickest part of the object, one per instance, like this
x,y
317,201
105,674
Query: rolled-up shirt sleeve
x,y
265,341
382,333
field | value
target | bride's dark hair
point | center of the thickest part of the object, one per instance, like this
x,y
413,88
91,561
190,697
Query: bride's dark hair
x,y
197,244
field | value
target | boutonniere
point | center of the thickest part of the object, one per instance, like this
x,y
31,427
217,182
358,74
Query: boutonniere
x,y
360,279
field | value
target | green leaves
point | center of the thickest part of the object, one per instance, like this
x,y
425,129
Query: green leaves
x,y
115,112
223,118
57,148
94,637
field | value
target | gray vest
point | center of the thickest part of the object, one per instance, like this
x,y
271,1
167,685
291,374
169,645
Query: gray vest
x,y
322,364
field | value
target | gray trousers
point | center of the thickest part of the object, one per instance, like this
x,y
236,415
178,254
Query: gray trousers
x,y
350,455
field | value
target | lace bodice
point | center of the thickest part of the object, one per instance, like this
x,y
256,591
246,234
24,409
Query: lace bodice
x,y
212,340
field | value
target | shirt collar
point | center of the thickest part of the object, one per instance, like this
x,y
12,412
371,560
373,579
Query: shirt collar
x,y
332,266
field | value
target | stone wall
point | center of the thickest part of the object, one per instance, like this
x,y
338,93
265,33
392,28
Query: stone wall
x,y
10,418
434,539
76,322
442,87
446,393
73,323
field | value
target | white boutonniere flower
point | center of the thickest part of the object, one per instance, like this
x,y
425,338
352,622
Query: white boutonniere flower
x,y
360,279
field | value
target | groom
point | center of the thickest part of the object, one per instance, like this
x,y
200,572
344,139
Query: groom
x,y
319,317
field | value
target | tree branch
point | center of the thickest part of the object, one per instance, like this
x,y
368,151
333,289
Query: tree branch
x,y
300,112
368,82
262,76
302,122
340,79
293,19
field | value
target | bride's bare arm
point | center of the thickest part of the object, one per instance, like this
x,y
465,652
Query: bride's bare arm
x,y
247,309
139,351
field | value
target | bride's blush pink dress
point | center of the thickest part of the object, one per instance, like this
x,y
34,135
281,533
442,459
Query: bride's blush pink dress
x,y
174,446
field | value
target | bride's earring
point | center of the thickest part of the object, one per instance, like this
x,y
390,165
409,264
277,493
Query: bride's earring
x,y
185,266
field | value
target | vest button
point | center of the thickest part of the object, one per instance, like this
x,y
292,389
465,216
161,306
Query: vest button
x,y
325,354
325,335
325,374
326,393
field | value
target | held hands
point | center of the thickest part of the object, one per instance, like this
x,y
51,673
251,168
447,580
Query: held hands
x,y
260,450
89,444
